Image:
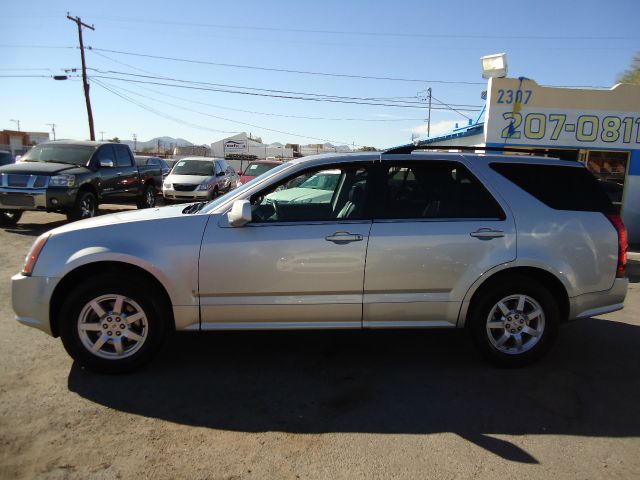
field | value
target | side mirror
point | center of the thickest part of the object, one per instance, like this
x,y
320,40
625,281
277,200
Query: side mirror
x,y
220,174
106,163
240,213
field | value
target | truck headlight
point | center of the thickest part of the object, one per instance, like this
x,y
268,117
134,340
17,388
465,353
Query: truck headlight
x,y
62,181
204,186
166,186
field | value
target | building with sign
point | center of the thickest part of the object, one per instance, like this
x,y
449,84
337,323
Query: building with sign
x,y
599,128
242,144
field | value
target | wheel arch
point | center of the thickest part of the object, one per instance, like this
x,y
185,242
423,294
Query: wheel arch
x,y
539,275
76,276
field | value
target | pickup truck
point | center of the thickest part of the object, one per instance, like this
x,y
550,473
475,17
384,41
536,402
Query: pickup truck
x,y
73,177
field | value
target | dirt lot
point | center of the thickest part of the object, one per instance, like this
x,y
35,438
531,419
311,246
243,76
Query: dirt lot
x,y
329,405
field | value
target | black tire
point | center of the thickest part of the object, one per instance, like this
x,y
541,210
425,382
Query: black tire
x,y
9,218
86,206
148,198
214,194
136,294
516,323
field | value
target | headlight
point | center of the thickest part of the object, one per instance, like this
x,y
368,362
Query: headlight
x,y
62,181
166,185
34,253
204,186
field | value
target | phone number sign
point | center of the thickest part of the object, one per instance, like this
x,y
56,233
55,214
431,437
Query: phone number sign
x,y
516,116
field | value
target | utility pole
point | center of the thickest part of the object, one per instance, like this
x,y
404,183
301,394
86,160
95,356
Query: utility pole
x,y
135,142
53,129
429,117
85,83
101,135
17,122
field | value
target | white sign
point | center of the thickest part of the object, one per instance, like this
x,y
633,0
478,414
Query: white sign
x,y
235,146
523,113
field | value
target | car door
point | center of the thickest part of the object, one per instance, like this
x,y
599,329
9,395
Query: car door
x,y
108,175
436,230
298,264
128,184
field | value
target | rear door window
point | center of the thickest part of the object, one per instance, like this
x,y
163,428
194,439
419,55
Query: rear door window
x,y
123,158
557,186
433,190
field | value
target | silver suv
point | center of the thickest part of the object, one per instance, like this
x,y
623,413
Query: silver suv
x,y
507,247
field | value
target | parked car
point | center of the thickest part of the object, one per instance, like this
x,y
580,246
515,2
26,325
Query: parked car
x,y
257,167
156,161
6,158
199,178
73,178
507,247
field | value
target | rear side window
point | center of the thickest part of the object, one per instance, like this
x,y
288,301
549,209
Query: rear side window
x,y
123,158
434,189
558,187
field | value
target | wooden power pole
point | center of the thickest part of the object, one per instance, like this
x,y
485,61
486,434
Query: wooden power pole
x,y
85,83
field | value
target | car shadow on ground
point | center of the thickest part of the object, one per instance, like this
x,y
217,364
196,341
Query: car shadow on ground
x,y
385,382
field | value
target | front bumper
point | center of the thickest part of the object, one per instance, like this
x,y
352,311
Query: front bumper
x,y
193,196
37,198
599,303
31,297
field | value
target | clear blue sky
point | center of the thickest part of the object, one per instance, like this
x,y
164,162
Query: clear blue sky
x,y
552,42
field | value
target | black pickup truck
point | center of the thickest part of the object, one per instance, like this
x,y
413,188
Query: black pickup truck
x,y
73,177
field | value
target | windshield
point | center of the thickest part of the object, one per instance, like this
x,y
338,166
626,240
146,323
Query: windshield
x,y
60,153
203,168
255,169
322,181
238,191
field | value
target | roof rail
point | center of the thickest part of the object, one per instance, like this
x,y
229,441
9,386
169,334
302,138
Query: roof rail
x,y
404,149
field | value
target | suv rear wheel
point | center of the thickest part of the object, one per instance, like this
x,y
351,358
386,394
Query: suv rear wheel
x,y
112,323
515,321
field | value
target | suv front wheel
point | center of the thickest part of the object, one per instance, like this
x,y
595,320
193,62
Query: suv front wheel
x,y
515,321
112,323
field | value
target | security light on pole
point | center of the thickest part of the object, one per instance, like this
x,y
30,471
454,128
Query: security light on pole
x,y
494,66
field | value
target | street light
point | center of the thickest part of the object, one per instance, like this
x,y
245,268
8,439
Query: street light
x,y
17,122
494,66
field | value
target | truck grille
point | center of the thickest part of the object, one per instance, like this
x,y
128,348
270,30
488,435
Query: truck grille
x,y
23,181
182,187
17,200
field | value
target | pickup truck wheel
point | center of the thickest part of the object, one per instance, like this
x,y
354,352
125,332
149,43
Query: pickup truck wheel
x,y
112,325
148,199
9,218
86,206
515,322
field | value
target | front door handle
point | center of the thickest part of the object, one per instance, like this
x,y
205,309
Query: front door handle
x,y
344,237
486,233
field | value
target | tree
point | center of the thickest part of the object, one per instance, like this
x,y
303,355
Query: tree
x,y
632,75
115,140
368,149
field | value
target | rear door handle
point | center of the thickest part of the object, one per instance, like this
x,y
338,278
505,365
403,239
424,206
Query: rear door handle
x,y
344,237
487,233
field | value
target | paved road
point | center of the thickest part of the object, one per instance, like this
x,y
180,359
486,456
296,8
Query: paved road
x,y
330,405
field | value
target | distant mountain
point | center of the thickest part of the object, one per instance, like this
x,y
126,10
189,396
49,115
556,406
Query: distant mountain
x,y
165,142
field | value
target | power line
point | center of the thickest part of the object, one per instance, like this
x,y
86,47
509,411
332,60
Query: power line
x,y
370,33
269,90
413,119
35,46
285,70
222,118
289,97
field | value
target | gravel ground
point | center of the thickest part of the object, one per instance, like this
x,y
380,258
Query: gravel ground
x,y
320,405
